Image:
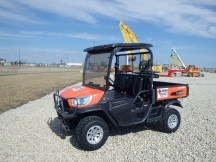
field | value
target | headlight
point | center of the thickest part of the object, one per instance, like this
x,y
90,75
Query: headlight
x,y
81,101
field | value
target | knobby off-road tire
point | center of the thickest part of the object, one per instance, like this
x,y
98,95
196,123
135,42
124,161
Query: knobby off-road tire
x,y
91,133
171,122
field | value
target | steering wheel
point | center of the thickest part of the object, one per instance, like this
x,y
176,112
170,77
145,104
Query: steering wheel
x,y
111,82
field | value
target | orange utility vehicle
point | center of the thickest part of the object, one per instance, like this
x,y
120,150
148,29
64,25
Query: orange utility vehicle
x,y
121,99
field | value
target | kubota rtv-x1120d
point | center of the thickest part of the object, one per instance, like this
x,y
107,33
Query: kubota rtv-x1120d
x,y
121,99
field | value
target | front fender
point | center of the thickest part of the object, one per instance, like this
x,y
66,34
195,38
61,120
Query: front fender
x,y
97,108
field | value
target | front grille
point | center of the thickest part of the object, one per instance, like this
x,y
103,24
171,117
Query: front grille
x,y
65,104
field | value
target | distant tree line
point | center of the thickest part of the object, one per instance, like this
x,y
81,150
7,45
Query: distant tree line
x,y
18,62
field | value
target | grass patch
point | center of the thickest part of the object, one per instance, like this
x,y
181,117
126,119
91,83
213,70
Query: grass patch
x,y
16,90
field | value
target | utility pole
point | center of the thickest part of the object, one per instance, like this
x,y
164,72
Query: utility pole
x,y
64,55
19,56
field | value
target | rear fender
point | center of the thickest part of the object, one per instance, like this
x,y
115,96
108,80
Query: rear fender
x,y
174,102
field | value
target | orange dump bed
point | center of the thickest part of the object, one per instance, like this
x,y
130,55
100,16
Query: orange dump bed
x,y
169,91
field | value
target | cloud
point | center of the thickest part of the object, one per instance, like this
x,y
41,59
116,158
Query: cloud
x,y
20,34
175,16
84,35
67,8
13,13
178,16
40,34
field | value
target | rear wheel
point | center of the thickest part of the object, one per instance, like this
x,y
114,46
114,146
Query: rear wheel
x,y
171,122
91,133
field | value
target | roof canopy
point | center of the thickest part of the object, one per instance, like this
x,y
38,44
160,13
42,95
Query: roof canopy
x,y
109,47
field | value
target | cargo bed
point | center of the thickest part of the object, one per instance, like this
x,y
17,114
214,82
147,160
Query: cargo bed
x,y
169,90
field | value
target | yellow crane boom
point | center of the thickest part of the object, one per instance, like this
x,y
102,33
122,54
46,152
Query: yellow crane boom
x,y
128,35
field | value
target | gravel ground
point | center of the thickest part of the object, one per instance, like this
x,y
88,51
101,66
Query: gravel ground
x,y
31,133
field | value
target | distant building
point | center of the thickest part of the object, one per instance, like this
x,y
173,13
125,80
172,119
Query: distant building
x,y
29,64
7,63
2,61
74,64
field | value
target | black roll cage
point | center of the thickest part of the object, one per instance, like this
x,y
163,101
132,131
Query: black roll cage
x,y
114,49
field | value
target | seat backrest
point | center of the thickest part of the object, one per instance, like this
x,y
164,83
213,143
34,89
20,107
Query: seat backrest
x,y
147,84
138,85
129,85
120,82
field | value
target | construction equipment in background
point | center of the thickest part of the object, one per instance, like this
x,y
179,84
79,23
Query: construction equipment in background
x,y
180,68
157,68
128,35
126,68
165,67
192,71
213,71
100,68
177,61
189,70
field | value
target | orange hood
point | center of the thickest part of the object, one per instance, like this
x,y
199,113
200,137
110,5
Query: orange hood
x,y
82,91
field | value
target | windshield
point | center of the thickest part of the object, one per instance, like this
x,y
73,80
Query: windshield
x,y
96,67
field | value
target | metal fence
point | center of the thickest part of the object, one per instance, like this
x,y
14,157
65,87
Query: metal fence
x,y
12,70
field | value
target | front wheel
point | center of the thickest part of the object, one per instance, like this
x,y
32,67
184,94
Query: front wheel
x,y
171,122
91,133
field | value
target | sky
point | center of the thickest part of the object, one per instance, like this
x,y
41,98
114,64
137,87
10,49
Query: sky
x,y
47,31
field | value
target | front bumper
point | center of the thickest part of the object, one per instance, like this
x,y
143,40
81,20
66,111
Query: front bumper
x,y
59,106
64,124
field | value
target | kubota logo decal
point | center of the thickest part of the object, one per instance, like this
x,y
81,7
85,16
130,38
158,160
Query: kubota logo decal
x,y
162,92
77,88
